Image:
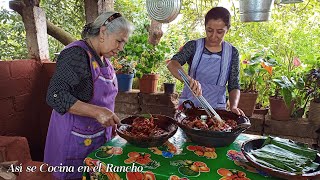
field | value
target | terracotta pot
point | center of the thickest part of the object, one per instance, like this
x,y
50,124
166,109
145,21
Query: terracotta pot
x,y
279,110
247,103
148,83
314,112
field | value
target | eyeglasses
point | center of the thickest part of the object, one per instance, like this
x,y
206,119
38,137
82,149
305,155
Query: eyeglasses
x,y
112,17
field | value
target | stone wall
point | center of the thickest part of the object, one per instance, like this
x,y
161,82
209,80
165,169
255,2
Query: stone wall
x,y
300,129
134,102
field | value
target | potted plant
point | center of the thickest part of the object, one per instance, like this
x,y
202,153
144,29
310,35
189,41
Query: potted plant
x,y
312,87
169,83
125,71
286,95
148,66
254,68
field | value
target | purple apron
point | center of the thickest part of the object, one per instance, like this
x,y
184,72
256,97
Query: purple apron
x,y
71,137
212,71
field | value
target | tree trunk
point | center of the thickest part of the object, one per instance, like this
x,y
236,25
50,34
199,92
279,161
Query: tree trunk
x,y
155,32
93,8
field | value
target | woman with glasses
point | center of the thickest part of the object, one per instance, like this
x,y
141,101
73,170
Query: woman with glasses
x,y
213,64
82,94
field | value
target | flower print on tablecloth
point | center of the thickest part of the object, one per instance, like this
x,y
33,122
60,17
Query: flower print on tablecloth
x,y
231,174
105,152
239,160
167,150
148,175
143,159
203,151
175,177
98,170
190,168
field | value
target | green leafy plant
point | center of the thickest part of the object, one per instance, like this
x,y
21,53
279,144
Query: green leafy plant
x,y
123,66
147,56
288,88
254,68
312,84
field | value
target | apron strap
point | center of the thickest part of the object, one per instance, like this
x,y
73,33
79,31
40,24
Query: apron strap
x,y
196,57
225,63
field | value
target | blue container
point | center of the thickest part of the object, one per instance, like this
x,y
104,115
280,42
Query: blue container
x,y
125,82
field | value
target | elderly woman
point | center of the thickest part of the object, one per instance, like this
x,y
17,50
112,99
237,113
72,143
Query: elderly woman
x,y
82,94
212,62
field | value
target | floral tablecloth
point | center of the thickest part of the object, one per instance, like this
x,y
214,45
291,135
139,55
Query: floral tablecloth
x,y
177,159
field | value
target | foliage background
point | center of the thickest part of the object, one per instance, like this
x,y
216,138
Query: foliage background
x,y
294,31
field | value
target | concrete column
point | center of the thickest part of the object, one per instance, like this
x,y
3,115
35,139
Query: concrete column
x,y
34,20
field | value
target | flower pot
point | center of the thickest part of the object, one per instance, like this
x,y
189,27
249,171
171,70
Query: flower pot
x,y
247,103
263,111
124,82
255,10
279,110
169,88
314,112
148,83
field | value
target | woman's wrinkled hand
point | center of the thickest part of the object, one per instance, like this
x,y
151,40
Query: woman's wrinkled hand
x,y
107,117
237,111
195,86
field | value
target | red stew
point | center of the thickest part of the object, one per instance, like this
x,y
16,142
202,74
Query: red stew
x,y
144,127
209,124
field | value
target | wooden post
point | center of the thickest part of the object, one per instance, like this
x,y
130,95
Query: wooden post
x,y
93,8
34,20
155,32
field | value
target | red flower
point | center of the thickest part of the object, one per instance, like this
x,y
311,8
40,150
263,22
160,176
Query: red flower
x,y
296,62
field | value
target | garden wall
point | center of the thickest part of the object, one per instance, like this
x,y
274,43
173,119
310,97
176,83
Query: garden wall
x,y
23,111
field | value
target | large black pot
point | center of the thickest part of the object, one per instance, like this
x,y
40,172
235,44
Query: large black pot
x,y
210,138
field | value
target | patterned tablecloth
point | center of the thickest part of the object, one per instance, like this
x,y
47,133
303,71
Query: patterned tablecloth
x,y
178,159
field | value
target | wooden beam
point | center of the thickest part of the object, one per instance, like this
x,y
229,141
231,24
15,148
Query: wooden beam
x,y
56,32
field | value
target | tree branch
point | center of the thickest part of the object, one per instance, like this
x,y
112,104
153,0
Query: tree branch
x,y
56,32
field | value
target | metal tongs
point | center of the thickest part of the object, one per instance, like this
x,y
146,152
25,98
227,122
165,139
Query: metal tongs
x,y
204,103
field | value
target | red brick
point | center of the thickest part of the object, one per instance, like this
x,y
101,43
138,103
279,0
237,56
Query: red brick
x,y
160,99
6,108
16,148
127,108
256,121
164,110
49,68
23,68
22,101
296,127
15,87
128,97
20,124
5,70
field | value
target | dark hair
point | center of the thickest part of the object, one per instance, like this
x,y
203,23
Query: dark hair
x,y
218,13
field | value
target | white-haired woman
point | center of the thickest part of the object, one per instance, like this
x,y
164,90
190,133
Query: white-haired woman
x,y
82,94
